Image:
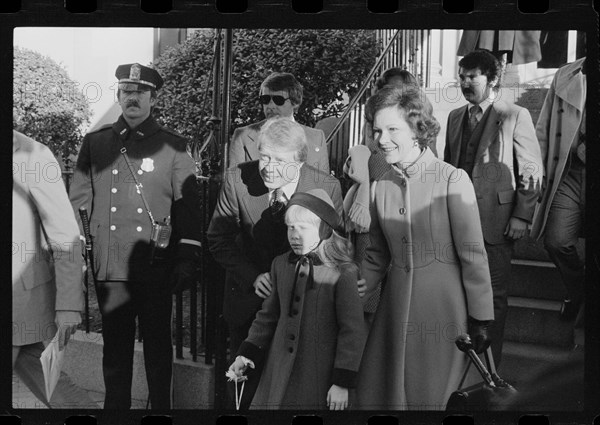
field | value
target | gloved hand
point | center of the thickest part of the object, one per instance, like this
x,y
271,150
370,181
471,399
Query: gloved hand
x,y
480,333
187,265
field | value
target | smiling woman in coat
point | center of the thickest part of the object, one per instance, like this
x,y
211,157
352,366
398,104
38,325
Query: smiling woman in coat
x,y
425,233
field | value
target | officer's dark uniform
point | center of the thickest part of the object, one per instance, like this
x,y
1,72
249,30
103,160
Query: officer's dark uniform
x,y
128,285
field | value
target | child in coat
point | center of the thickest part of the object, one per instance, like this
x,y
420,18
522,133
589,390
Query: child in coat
x,y
311,327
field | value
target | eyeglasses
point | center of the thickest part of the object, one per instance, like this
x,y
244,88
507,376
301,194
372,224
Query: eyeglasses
x,y
277,100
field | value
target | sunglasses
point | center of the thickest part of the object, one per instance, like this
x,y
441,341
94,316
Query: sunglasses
x,y
277,100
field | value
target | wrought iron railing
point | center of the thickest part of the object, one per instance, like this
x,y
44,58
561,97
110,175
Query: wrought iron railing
x,y
406,49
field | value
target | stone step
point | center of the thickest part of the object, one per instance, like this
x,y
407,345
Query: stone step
x,y
537,321
536,279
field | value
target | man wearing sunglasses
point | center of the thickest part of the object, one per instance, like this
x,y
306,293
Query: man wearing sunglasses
x,y
280,96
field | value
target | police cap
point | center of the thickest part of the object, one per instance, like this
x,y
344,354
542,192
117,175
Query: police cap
x,y
133,76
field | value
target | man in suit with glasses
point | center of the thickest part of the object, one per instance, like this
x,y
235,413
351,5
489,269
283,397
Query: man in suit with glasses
x,y
280,96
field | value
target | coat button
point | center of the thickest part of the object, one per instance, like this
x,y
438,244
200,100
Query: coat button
x,y
291,350
297,298
113,227
560,111
402,211
140,172
404,239
294,312
139,210
114,190
301,274
555,158
115,171
139,228
113,209
407,269
558,134
403,183
292,337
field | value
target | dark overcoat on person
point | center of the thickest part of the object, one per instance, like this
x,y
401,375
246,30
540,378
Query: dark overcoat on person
x,y
119,222
312,333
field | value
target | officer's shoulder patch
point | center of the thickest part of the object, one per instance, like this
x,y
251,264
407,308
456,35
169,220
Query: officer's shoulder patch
x,y
101,128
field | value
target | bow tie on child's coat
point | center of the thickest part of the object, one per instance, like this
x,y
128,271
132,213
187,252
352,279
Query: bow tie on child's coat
x,y
304,268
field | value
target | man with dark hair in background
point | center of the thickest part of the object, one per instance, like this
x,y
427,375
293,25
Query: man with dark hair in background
x,y
495,143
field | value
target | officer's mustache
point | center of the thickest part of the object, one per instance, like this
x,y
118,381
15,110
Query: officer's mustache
x,y
132,103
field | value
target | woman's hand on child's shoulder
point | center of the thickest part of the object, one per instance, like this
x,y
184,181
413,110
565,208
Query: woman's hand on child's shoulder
x,y
337,398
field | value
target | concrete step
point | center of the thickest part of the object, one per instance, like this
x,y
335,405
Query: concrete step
x,y
547,378
536,279
536,321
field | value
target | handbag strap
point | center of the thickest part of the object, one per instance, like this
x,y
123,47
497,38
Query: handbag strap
x,y
491,368
138,185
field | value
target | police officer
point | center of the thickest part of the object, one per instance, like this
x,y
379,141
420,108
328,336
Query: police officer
x,y
130,283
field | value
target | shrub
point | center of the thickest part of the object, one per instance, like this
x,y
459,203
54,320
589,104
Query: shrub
x,y
328,63
47,104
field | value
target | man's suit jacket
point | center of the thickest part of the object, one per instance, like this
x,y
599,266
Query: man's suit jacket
x,y
241,236
244,146
46,251
506,140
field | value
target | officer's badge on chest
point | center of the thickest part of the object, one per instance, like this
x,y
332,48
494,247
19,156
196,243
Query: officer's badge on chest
x,y
147,165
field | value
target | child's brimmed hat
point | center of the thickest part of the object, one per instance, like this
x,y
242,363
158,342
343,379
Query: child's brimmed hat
x,y
319,202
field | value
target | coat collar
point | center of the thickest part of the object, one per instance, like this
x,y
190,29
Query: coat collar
x,y
145,129
416,168
570,84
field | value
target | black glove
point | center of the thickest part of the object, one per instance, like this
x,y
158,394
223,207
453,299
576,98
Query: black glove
x,y
187,265
480,333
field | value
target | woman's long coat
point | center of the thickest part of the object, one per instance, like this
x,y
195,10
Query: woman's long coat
x,y
557,128
425,227
314,340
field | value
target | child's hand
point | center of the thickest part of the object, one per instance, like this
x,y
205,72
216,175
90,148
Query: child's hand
x,y
238,366
362,287
262,285
337,398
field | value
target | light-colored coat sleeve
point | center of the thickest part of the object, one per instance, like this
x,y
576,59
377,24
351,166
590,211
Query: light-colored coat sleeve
x,y
542,128
467,237
530,168
377,255
61,231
